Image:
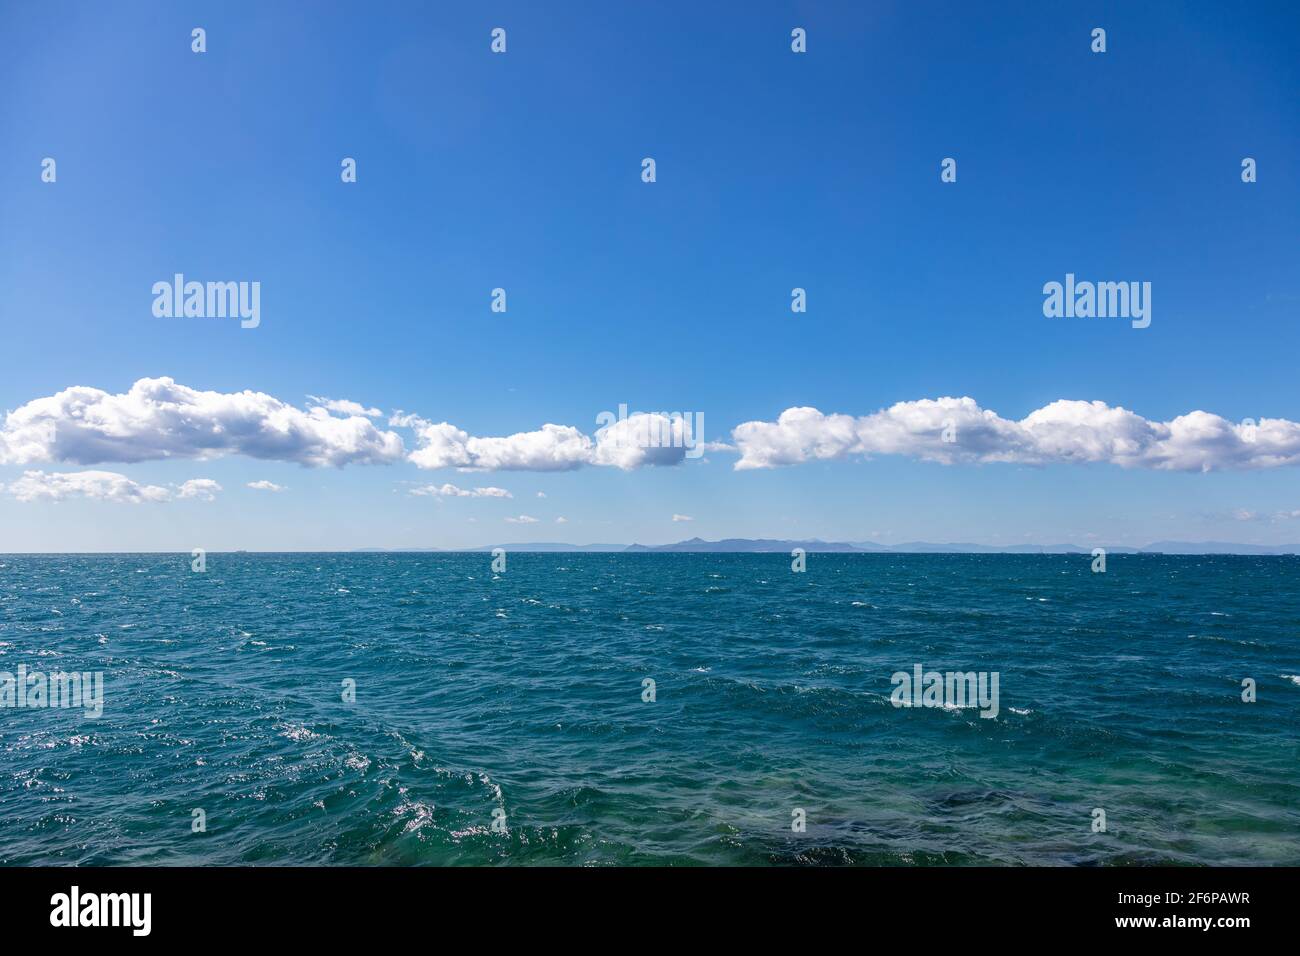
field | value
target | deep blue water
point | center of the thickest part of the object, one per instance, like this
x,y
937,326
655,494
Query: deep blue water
x,y
522,692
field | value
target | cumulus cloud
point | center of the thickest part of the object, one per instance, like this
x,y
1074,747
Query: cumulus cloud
x,y
264,485
157,418
451,491
682,518
644,438
952,430
550,448
204,489
561,520
101,486
523,519
639,440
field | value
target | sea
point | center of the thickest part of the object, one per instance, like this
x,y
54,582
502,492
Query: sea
x,y
598,709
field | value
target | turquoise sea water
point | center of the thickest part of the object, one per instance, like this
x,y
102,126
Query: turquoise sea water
x,y
522,692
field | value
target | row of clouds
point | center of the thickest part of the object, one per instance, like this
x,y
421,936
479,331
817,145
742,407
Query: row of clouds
x,y
160,419
637,441
104,486
955,430
111,486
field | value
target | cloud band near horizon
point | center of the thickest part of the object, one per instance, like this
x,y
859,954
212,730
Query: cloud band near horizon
x,y
957,430
159,419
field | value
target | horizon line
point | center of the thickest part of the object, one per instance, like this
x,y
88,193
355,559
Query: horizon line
x,y
1181,548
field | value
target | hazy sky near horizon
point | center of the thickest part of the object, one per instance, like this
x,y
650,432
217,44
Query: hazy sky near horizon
x,y
322,428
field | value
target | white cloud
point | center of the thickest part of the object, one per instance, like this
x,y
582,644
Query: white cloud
x,y
158,418
541,494
98,485
451,491
264,485
682,518
1244,514
343,406
523,519
550,448
204,489
1062,432
642,439
561,520
634,442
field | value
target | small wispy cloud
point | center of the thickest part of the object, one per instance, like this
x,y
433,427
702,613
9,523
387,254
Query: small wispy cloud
x,y
1245,514
523,519
204,489
343,406
677,517
264,485
451,491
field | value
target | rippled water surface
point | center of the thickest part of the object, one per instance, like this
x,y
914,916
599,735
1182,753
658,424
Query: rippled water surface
x,y
522,692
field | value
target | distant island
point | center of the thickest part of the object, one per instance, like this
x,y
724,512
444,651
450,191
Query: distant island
x,y
771,545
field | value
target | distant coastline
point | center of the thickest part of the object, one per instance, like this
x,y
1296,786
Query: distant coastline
x,y
768,546
773,545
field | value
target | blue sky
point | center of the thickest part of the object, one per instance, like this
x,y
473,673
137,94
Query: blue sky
x,y
774,170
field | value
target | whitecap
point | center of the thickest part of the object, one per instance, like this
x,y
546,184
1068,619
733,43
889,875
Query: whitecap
x,y
469,831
